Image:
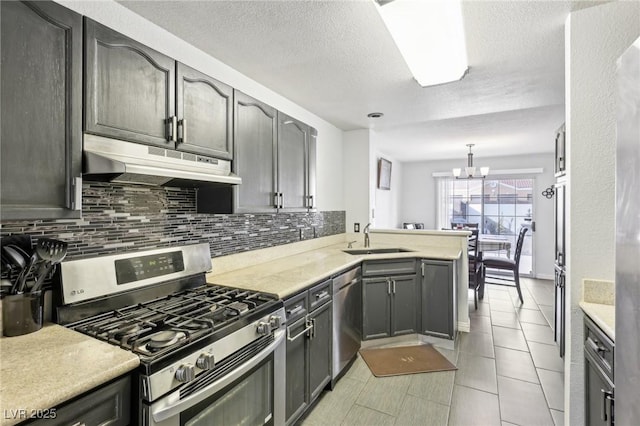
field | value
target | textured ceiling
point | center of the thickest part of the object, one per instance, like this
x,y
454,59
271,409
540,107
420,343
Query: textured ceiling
x,y
337,60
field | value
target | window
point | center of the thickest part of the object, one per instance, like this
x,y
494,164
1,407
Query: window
x,y
499,207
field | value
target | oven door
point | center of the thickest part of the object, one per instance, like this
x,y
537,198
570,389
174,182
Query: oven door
x,y
250,394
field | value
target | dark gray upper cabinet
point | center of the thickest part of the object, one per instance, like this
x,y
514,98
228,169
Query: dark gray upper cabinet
x,y
41,150
255,135
438,298
275,156
129,88
205,114
293,164
311,171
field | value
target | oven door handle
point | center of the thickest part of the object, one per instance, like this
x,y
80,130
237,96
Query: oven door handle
x,y
171,405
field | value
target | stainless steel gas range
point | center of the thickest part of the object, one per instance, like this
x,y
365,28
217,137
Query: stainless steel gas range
x,y
208,354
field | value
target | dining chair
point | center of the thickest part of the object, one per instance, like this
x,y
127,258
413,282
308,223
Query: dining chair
x,y
476,270
512,265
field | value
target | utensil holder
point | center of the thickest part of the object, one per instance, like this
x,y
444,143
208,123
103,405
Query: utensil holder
x,y
22,313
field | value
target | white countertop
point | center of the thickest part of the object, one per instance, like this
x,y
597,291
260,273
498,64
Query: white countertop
x,y
43,369
603,315
287,275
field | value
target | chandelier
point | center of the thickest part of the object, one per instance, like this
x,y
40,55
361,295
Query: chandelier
x,y
470,170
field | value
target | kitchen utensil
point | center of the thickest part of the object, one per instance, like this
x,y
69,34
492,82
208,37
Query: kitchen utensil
x,y
18,286
51,252
14,257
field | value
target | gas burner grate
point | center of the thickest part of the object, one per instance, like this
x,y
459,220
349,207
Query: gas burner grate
x,y
186,315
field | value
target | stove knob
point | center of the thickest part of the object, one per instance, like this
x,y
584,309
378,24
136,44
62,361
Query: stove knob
x,y
275,321
185,373
205,361
263,328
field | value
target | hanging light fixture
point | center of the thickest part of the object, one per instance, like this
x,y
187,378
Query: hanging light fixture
x,y
470,170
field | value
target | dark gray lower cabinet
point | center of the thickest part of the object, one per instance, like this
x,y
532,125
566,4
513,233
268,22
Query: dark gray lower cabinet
x,y
390,306
309,348
41,132
106,405
599,386
438,298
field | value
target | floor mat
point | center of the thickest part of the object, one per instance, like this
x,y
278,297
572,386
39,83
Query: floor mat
x,y
400,360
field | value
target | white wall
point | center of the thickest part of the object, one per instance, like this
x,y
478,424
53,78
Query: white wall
x,y
386,202
330,194
356,184
419,191
594,38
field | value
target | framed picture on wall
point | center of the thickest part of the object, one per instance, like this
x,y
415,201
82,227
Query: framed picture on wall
x,y
384,174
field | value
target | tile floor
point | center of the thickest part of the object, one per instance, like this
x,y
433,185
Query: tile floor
x,y
509,373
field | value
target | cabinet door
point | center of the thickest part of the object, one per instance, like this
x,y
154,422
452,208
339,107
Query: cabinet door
x,y
376,303
293,140
437,298
311,170
205,113
129,88
255,133
320,350
296,370
598,391
404,318
41,98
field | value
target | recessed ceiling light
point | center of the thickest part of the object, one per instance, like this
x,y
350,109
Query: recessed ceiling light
x,y
375,115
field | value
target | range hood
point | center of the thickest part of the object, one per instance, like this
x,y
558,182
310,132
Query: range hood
x,y
119,161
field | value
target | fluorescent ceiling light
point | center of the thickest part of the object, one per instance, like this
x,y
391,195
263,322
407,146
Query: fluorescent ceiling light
x,y
430,37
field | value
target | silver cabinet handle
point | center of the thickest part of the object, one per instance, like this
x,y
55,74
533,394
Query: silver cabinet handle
x,y
422,268
276,198
322,295
312,334
388,286
76,203
607,400
172,122
295,310
311,201
182,131
394,286
281,200
309,326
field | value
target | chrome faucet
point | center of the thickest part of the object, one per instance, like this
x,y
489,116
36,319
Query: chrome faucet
x,y
366,235
351,243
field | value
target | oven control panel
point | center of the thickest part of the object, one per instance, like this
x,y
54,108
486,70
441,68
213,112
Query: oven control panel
x,y
142,267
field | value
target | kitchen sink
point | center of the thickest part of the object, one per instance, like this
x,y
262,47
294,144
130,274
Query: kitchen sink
x,y
376,251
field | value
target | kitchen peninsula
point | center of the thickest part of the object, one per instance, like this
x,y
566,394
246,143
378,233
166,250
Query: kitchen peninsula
x,y
285,270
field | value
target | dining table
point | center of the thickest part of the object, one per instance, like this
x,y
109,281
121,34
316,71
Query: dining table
x,y
488,242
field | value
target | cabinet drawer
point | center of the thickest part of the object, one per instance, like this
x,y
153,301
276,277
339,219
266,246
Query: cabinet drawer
x,y
108,405
296,306
319,295
599,346
389,267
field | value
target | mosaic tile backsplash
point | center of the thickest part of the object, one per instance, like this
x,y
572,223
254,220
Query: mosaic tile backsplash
x,y
120,218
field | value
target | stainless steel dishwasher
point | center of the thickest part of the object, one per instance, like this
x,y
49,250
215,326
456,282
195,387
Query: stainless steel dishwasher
x,y
347,320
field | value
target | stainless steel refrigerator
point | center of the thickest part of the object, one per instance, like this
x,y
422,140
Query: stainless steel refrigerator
x,y
627,349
